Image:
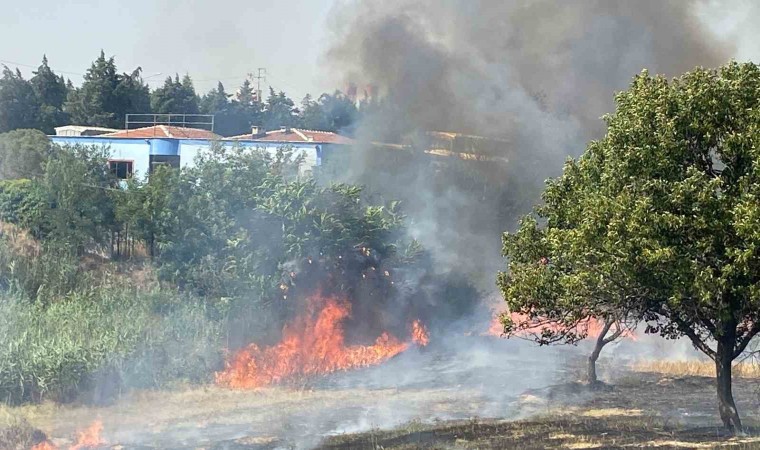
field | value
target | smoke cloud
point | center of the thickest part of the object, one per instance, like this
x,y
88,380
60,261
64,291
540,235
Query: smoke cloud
x,y
538,74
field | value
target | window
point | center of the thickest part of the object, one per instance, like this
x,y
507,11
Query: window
x,y
163,160
121,169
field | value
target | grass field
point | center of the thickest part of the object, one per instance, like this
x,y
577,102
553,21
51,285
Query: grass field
x,y
695,368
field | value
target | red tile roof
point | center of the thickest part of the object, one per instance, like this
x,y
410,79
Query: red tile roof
x,y
297,135
164,131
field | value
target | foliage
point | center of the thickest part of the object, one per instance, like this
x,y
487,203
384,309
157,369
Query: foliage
x,y
106,96
233,116
236,241
23,153
175,97
77,185
243,217
659,219
55,351
336,113
279,111
47,101
51,92
19,106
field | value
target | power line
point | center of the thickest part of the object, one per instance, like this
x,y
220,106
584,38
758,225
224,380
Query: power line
x,y
37,67
262,75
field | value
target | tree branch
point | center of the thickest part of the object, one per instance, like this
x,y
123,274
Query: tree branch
x,y
744,341
695,339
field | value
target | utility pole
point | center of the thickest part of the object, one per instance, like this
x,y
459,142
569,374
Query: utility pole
x,y
262,76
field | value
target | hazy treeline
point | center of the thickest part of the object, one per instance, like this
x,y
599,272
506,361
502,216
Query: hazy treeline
x,y
47,100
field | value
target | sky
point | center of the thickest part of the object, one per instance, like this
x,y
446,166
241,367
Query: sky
x,y
222,39
211,40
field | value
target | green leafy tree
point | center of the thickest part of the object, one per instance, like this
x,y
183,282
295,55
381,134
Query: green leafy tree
x,y
23,154
175,97
659,220
19,105
77,185
51,93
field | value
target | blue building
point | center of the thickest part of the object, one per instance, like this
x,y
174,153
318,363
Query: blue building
x,y
135,152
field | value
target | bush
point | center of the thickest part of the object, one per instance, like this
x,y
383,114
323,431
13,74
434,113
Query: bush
x,y
22,202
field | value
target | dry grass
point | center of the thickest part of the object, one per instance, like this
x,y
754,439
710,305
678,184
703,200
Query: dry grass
x,y
16,433
19,240
695,368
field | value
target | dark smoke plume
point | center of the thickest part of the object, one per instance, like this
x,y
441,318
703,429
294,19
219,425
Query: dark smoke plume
x,y
539,74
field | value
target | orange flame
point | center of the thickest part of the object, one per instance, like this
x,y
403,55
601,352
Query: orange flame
x,y
45,445
592,326
89,438
312,344
420,334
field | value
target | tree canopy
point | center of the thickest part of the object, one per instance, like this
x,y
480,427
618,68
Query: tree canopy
x,y
659,219
175,97
23,154
51,92
19,106
106,96
47,101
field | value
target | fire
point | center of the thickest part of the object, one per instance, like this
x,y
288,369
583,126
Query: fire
x,y
312,344
592,326
89,438
420,334
45,445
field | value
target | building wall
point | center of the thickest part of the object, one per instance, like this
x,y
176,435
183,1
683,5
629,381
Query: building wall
x,y
135,150
189,149
139,150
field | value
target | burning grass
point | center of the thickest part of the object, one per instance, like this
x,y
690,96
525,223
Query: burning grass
x,y
312,344
87,438
695,368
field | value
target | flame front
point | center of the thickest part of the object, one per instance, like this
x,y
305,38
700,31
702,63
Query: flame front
x,y
312,344
89,438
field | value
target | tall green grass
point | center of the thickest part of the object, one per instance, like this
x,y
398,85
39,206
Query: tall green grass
x,y
113,336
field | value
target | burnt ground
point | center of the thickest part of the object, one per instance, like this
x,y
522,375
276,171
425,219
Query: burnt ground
x,y
489,395
640,410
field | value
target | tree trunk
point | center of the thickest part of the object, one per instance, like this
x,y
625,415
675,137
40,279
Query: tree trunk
x,y
723,360
591,377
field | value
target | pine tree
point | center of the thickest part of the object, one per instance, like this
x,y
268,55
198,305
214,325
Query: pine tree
x,y
106,97
51,93
217,100
95,102
175,97
19,106
246,95
279,111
